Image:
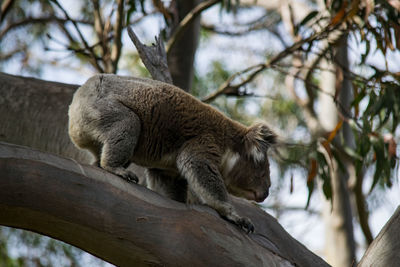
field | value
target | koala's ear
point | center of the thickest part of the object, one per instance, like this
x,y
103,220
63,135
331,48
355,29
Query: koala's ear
x,y
257,140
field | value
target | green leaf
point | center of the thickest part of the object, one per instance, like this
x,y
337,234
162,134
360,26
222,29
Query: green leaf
x,y
130,11
367,49
380,162
352,153
324,174
310,186
327,187
310,16
363,145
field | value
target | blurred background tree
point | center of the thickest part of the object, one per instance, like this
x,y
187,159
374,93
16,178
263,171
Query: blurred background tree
x,y
322,73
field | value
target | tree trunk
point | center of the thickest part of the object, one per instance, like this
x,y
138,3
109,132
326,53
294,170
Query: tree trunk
x,y
339,241
181,55
129,225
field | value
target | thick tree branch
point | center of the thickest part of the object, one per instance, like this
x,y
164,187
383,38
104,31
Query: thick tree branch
x,y
384,250
127,224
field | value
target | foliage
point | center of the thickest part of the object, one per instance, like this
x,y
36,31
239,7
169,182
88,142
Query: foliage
x,y
373,113
37,250
204,85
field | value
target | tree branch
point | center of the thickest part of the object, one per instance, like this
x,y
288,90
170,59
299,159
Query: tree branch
x,y
362,209
127,224
5,7
99,25
255,70
264,24
385,248
98,19
153,57
32,20
83,40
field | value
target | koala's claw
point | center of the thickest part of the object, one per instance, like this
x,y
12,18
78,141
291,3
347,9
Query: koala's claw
x,y
245,224
125,174
130,177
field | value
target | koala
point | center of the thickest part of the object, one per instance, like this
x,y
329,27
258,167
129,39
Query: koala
x,y
192,152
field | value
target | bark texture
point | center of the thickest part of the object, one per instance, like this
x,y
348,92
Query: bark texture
x,y
384,250
339,244
34,113
127,224
153,57
181,55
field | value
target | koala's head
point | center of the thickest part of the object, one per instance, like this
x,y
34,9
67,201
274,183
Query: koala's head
x,y
246,172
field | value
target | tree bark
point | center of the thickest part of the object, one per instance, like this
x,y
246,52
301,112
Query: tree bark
x,y
339,241
181,55
34,113
127,224
153,57
384,250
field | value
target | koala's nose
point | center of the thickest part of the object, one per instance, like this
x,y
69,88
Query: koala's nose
x,y
261,197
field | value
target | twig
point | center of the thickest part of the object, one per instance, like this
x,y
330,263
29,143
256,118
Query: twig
x,y
8,55
81,51
139,19
227,86
256,26
83,40
186,21
343,113
30,20
154,57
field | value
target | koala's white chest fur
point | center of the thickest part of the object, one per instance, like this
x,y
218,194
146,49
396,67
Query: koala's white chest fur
x,y
228,161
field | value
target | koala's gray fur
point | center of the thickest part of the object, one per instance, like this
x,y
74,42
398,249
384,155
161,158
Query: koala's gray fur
x,y
191,150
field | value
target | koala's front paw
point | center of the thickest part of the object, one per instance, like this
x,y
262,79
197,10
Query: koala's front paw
x,y
228,212
124,173
245,224
130,177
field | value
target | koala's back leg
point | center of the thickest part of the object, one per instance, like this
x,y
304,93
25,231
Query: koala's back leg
x,y
95,150
171,186
119,134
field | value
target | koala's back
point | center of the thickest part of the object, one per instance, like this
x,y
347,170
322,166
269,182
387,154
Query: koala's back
x,y
169,116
